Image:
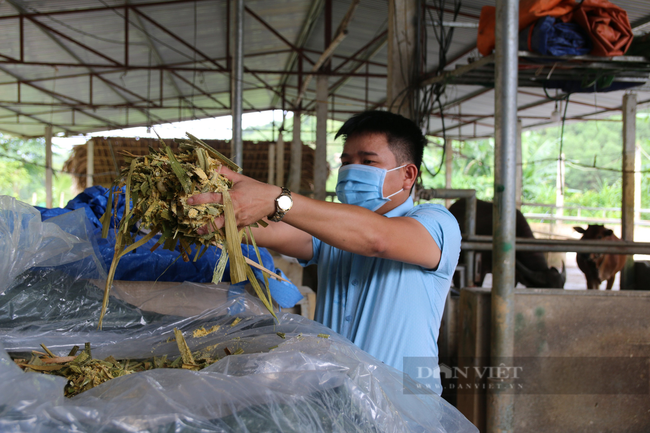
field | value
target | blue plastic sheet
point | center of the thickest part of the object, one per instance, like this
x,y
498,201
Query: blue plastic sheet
x,y
161,264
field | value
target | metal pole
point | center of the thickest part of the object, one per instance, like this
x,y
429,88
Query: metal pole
x,y
48,166
237,145
500,403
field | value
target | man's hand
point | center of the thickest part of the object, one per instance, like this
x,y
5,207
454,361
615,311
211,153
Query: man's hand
x,y
252,200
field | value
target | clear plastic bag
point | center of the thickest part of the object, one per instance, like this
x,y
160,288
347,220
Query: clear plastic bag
x,y
294,375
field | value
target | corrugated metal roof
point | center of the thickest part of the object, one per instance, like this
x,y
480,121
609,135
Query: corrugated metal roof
x,y
70,69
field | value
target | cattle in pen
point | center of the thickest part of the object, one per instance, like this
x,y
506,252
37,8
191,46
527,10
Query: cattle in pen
x,y
531,269
599,267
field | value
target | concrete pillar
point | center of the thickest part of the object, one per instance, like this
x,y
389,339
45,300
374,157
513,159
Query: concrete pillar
x,y
320,156
637,183
90,163
402,41
48,166
627,207
520,167
295,169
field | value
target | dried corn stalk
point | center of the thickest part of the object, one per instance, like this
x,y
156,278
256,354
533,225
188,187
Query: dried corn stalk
x,y
159,185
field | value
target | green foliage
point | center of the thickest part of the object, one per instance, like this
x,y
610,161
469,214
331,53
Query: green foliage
x,y
22,171
592,151
472,166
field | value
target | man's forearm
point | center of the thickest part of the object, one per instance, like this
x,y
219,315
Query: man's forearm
x,y
284,239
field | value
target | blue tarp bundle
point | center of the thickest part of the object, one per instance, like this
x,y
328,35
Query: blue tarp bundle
x,y
164,265
553,37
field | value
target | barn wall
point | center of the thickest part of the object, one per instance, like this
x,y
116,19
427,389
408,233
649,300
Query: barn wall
x,y
555,331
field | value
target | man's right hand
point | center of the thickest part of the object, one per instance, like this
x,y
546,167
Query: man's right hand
x,y
253,201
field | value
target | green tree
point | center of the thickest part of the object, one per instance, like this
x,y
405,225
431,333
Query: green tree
x,y
22,171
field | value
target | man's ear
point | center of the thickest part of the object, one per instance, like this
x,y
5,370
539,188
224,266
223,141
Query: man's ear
x,y
410,176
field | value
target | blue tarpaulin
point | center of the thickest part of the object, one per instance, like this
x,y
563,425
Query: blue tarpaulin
x,y
552,37
164,265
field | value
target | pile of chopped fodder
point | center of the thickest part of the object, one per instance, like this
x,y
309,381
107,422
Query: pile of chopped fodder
x,y
84,372
158,186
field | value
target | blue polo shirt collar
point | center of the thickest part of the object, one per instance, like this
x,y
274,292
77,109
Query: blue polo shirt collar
x,y
402,209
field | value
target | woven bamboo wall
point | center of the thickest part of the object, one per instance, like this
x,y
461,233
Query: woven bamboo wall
x,y
108,159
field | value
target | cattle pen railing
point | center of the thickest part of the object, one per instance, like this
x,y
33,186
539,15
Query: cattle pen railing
x,y
484,243
554,216
472,242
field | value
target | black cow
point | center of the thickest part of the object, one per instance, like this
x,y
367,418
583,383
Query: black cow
x,y
532,269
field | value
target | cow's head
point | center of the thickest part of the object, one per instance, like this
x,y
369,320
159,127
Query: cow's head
x,y
595,232
550,278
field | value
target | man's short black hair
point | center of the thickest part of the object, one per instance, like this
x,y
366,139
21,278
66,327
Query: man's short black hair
x,y
405,139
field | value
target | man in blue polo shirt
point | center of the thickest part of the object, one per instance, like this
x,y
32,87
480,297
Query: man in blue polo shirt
x,y
384,265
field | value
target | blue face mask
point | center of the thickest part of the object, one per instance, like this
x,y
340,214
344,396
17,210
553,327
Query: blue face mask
x,y
363,185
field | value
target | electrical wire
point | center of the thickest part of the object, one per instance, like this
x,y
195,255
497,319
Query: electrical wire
x,y
433,95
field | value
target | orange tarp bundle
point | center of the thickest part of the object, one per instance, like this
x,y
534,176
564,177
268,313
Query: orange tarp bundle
x,y
606,24
529,12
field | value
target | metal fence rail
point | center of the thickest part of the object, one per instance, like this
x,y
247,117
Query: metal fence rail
x,y
484,243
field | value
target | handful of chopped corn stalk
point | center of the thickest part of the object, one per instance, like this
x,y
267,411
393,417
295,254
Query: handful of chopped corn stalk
x,y
158,186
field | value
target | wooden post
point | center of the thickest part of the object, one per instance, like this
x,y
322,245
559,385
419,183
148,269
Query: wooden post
x,y
320,156
559,188
90,163
279,161
271,174
402,41
627,207
48,166
295,173
449,159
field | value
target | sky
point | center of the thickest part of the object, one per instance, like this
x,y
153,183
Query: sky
x,y
212,128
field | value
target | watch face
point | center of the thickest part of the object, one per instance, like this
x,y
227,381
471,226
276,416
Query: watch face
x,y
285,203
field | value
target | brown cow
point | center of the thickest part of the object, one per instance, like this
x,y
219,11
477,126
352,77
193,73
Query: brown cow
x,y
599,267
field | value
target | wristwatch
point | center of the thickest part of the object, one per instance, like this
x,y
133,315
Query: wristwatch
x,y
283,204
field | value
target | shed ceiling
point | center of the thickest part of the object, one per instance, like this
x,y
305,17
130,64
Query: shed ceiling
x,y
92,65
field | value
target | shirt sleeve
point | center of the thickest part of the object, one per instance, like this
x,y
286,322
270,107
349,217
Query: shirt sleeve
x,y
444,229
315,245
